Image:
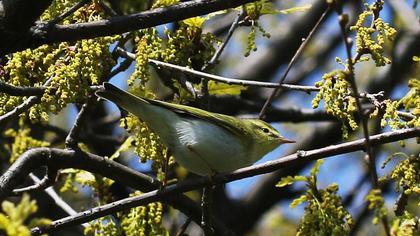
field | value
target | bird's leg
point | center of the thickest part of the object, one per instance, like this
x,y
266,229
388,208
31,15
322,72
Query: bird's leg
x,y
206,199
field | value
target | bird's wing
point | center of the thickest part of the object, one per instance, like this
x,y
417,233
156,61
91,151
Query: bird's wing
x,y
228,122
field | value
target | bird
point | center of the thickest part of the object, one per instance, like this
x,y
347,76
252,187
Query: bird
x,y
203,142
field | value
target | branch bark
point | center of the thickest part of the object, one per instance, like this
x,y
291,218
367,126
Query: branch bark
x,y
44,33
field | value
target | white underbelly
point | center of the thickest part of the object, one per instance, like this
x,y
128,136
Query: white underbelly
x,y
204,148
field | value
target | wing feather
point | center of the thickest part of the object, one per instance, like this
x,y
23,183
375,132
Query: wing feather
x,y
228,122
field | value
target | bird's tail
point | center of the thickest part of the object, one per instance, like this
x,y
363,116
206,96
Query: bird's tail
x,y
121,98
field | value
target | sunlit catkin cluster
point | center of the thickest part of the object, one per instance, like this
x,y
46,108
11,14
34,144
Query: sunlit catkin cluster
x,y
253,12
370,39
22,142
148,46
338,101
139,221
147,144
377,204
335,87
324,212
105,226
13,218
164,3
188,46
144,220
406,174
407,224
410,103
70,69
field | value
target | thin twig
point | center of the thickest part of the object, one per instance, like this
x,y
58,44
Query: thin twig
x,y
74,134
219,51
70,11
206,200
217,78
121,67
292,62
108,10
57,199
213,60
373,98
401,202
297,158
21,91
226,80
28,103
47,181
351,78
19,109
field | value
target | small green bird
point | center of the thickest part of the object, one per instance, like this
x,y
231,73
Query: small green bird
x,y
203,142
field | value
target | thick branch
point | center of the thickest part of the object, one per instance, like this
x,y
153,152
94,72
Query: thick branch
x,y
44,33
61,159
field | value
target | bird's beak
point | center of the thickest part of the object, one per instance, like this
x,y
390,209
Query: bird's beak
x,y
285,140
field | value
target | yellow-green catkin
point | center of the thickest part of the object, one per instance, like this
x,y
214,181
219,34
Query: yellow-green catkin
x,y
13,219
164,3
377,204
70,68
407,224
335,87
324,212
188,46
406,174
410,103
370,38
253,12
22,142
105,226
144,220
338,101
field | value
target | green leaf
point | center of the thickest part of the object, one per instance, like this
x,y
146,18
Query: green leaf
x,y
220,89
288,180
298,201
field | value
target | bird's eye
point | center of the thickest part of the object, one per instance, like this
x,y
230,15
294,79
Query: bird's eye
x,y
265,130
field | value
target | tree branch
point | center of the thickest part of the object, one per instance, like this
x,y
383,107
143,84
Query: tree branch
x,y
298,52
21,91
62,159
43,33
217,78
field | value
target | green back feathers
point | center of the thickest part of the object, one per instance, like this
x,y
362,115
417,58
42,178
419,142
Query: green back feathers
x,y
230,123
